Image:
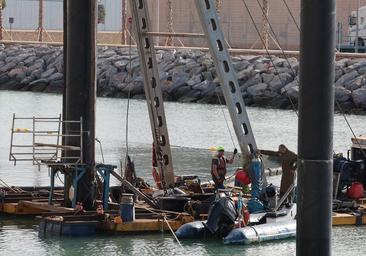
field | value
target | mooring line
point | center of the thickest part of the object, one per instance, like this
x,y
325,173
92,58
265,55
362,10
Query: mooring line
x,y
171,230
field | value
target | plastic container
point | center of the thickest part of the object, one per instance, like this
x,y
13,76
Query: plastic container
x,y
127,208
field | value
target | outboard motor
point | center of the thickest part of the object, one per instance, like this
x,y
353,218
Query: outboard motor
x,y
350,171
221,217
270,197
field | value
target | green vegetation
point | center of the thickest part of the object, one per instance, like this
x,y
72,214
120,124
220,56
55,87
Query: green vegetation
x,y
3,4
101,13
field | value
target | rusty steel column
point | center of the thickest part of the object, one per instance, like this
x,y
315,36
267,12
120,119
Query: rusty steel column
x,y
81,87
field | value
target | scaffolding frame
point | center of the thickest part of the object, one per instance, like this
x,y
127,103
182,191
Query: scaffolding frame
x,y
41,153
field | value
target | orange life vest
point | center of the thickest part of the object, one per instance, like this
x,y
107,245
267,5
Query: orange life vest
x,y
221,166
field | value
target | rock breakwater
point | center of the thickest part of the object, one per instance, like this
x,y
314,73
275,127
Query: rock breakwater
x,y
186,76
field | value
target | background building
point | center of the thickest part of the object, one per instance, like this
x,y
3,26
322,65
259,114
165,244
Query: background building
x,y
237,25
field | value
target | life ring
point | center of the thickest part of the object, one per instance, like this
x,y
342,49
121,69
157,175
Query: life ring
x,y
156,177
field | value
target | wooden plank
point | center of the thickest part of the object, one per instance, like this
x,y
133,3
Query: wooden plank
x,y
146,225
340,219
56,146
42,207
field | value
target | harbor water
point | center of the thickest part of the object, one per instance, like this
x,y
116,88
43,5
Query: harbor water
x,y
193,128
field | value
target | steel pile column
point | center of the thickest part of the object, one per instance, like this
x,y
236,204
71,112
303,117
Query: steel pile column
x,y
81,85
67,179
315,143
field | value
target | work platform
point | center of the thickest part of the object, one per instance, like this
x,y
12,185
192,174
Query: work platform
x,y
344,219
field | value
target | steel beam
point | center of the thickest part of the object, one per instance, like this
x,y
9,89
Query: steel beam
x,y
226,73
153,92
315,142
81,86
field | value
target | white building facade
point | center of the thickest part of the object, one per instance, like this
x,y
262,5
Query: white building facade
x,y
25,14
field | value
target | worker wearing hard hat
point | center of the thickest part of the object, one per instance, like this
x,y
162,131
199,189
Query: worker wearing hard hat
x,y
218,166
288,161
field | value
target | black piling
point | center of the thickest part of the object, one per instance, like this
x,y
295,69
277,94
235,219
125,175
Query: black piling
x,y
81,86
68,180
315,142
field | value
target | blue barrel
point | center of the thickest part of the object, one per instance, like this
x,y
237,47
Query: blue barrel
x,y
127,208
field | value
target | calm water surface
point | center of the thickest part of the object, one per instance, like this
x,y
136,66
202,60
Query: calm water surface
x,y
193,129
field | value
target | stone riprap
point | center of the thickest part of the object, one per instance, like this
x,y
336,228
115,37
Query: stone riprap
x,y
186,76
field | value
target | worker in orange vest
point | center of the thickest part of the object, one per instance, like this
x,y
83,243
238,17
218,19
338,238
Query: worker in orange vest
x,y
218,167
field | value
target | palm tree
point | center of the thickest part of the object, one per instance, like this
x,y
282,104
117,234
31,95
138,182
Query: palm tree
x,y
2,6
124,20
40,21
169,40
265,27
218,5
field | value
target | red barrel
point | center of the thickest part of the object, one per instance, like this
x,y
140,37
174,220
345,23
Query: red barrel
x,y
355,191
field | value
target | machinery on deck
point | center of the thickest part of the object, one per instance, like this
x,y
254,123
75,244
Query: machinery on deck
x,y
350,170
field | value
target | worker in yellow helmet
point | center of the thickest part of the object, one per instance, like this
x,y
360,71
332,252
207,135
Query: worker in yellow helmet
x,y
218,167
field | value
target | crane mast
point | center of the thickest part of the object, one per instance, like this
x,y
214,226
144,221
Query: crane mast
x,y
229,84
153,92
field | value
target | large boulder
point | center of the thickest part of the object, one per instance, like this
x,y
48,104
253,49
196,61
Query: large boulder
x,y
342,94
245,74
279,81
291,90
182,91
2,56
194,80
355,84
359,97
38,64
267,77
48,73
55,86
18,73
117,82
37,85
7,67
256,79
347,78
55,77
257,90
338,73
241,65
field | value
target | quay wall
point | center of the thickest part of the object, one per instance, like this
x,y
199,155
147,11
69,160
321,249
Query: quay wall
x,y
186,76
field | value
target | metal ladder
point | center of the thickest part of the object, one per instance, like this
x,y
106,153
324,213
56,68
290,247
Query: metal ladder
x,y
40,141
229,83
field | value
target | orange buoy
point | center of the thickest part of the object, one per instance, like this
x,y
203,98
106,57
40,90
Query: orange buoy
x,y
243,177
